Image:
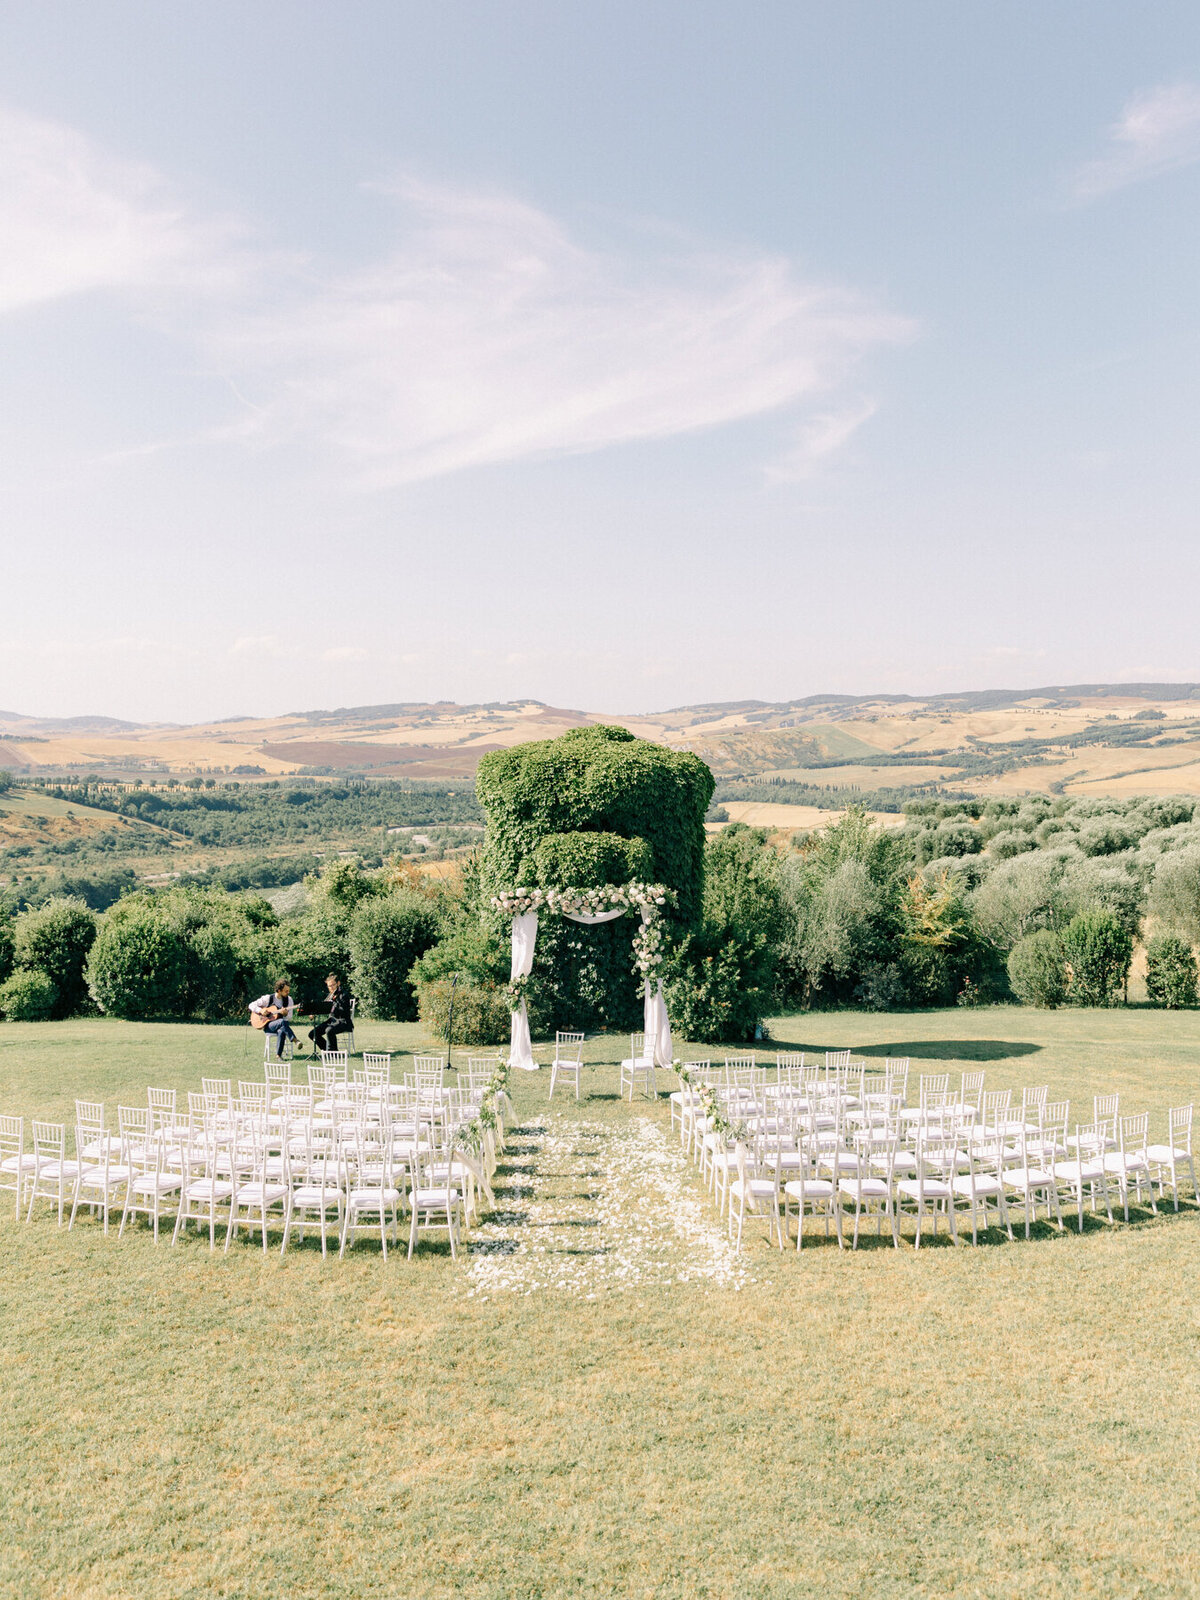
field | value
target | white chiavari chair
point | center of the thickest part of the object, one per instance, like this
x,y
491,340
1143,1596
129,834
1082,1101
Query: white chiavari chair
x,y
568,1061
17,1164
1168,1160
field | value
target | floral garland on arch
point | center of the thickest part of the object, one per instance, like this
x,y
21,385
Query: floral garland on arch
x,y
648,942
585,902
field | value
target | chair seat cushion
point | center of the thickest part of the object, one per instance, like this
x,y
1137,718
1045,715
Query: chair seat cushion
x,y
1028,1178
754,1189
1156,1152
1079,1171
205,1189
983,1186
931,1189
97,1177
864,1188
257,1194
306,1196
435,1197
809,1189
15,1164
156,1183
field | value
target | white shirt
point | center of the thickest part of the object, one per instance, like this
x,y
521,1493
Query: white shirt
x,y
268,1000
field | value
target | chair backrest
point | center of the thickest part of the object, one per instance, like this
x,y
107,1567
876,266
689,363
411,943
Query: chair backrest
x,y
277,1074
378,1058
1105,1107
429,1071
90,1114
568,1047
12,1139
218,1086
971,1088
321,1078
1179,1128
49,1140
931,1083
339,1060
637,1046
1134,1133
161,1100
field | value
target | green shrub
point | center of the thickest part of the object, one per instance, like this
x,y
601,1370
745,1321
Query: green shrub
x,y
718,986
1098,951
55,939
481,1014
1170,972
6,946
386,937
1037,969
587,861
28,996
138,964
1012,842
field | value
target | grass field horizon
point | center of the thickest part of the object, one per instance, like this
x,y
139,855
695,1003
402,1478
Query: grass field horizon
x,y
1012,1418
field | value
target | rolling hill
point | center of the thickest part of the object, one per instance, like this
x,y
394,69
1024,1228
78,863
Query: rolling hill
x,y
1124,738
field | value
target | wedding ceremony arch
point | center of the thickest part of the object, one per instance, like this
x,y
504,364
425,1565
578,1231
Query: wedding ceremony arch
x,y
589,906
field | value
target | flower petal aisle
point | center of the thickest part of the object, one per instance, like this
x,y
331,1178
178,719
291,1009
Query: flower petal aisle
x,y
589,1206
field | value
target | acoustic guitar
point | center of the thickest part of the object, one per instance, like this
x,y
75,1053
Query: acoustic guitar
x,y
259,1019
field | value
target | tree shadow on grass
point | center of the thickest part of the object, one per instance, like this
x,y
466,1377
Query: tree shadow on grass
x,y
953,1049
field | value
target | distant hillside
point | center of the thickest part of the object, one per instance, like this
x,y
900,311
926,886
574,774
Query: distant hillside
x,y
1116,738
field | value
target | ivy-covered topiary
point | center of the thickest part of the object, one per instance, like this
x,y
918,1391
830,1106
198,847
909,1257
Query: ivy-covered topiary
x,y
594,806
587,861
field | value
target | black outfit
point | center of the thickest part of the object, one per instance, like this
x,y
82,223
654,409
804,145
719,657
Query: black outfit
x,y
324,1035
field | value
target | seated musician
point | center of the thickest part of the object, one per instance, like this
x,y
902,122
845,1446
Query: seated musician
x,y
339,1020
277,1009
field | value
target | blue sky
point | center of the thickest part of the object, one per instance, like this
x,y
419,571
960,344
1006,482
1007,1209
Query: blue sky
x,y
620,356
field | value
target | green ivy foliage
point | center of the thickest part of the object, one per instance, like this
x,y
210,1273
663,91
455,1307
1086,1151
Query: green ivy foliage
x,y
598,780
587,861
595,805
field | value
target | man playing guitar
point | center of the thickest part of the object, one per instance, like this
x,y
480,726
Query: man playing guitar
x,y
273,1014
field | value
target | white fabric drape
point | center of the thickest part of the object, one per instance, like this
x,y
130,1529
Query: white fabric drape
x,y
596,916
655,1022
524,939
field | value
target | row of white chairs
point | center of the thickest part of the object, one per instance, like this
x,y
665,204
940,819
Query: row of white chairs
x,y
274,1153
800,1141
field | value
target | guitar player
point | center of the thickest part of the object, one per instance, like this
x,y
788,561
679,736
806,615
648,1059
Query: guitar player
x,y
273,1014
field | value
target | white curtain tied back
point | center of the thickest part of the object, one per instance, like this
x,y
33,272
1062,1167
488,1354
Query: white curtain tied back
x,y
524,939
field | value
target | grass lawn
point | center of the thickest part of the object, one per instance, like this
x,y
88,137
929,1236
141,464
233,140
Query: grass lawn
x,y
1018,1419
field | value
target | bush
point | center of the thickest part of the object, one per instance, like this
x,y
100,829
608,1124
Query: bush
x,y
1175,893
137,965
386,937
1170,972
1098,952
6,946
55,939
587,861
717,985
481,1014
1037,970
28,996
1012,842
881,988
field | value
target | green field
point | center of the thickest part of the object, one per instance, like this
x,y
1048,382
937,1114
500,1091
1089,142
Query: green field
x,y
1017,1419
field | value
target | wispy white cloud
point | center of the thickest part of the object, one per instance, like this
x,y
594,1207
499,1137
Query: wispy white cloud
x,y
490,335
1157,131
486,334
74,218
820,436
